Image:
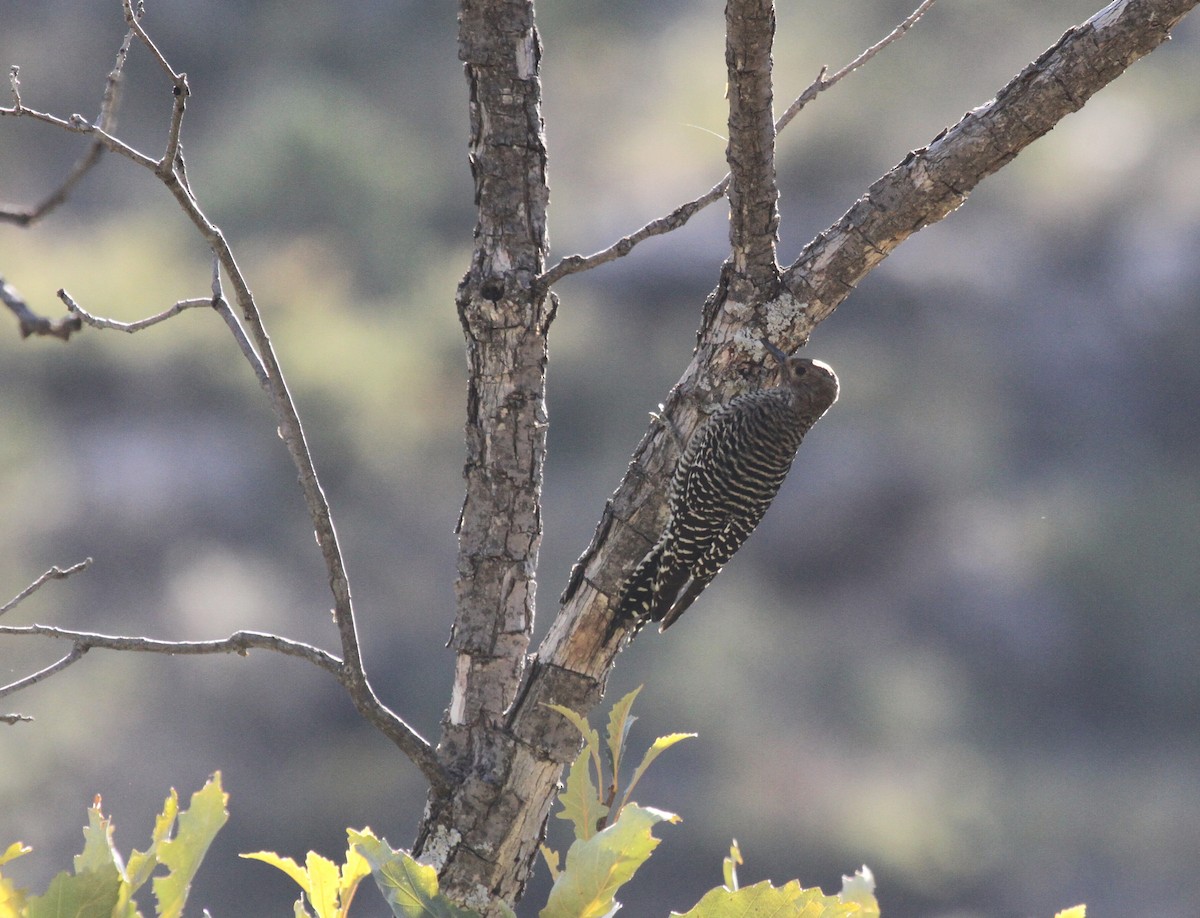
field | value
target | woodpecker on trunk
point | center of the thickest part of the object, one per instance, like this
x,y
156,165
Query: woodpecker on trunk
x,y
722,486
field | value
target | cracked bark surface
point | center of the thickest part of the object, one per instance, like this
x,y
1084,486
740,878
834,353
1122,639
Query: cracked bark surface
x,y
504,748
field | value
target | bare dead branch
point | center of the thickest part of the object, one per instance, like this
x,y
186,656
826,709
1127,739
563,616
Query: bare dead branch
x,y
77,124
270,375
30,323
405,737
129,327
14,84
107,121
934,181
221,305
133,16
390,724
753,194
55,573
111,100
576,264
822,83
240,642
169,171
75,654
260,354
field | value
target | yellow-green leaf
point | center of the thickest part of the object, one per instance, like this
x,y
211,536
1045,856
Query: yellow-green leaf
x,y
354,871
92,894
1075,911
15,850
590,737
551,857
286,864
580,799
601,865
329,888
787,901
860,889
324,883
142,863
659,746
731,864
410,887
204,817
98,851
12,899
619,722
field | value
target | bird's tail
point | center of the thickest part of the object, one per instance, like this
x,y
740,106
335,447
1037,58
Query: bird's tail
x,y
651,588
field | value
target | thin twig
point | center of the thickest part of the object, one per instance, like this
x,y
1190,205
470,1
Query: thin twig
x,y
14,85
821,83
291,431
77,124
133,20
130,327
377,714
172,152
221,305
240,642
574,264
112,86
260,353
76,654
55,573
107,122
30,323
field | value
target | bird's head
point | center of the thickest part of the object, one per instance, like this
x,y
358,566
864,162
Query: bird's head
x,y
813,381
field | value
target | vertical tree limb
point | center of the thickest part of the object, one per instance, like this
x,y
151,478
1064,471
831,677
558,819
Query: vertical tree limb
x,y
753,195
505,318
574,660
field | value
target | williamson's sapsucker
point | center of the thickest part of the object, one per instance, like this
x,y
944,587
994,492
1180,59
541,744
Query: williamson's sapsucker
x,y
722,486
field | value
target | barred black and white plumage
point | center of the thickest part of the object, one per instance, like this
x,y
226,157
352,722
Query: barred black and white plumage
x,y
724,481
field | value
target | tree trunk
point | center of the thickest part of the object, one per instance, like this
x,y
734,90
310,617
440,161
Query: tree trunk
x,y
505,318
505,750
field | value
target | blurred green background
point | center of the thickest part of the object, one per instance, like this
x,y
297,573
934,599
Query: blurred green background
x,y
962,646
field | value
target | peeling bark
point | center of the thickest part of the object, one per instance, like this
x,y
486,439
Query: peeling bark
x,y
505,320
505,749
753,195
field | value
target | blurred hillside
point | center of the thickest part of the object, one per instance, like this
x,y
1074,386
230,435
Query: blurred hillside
x,y
961,648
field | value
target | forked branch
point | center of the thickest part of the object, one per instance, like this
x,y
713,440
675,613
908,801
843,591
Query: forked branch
x,y
54,573
107,121
240,642
30,323
250,333
575,264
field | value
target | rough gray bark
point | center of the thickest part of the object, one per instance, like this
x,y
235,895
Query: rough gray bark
x,y
505,749
932,182
505,318
494,773
753,194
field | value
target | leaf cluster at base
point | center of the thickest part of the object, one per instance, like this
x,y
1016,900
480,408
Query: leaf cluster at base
x,y
612,840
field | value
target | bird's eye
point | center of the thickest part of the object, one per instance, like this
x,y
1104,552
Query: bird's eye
x,y
801,370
